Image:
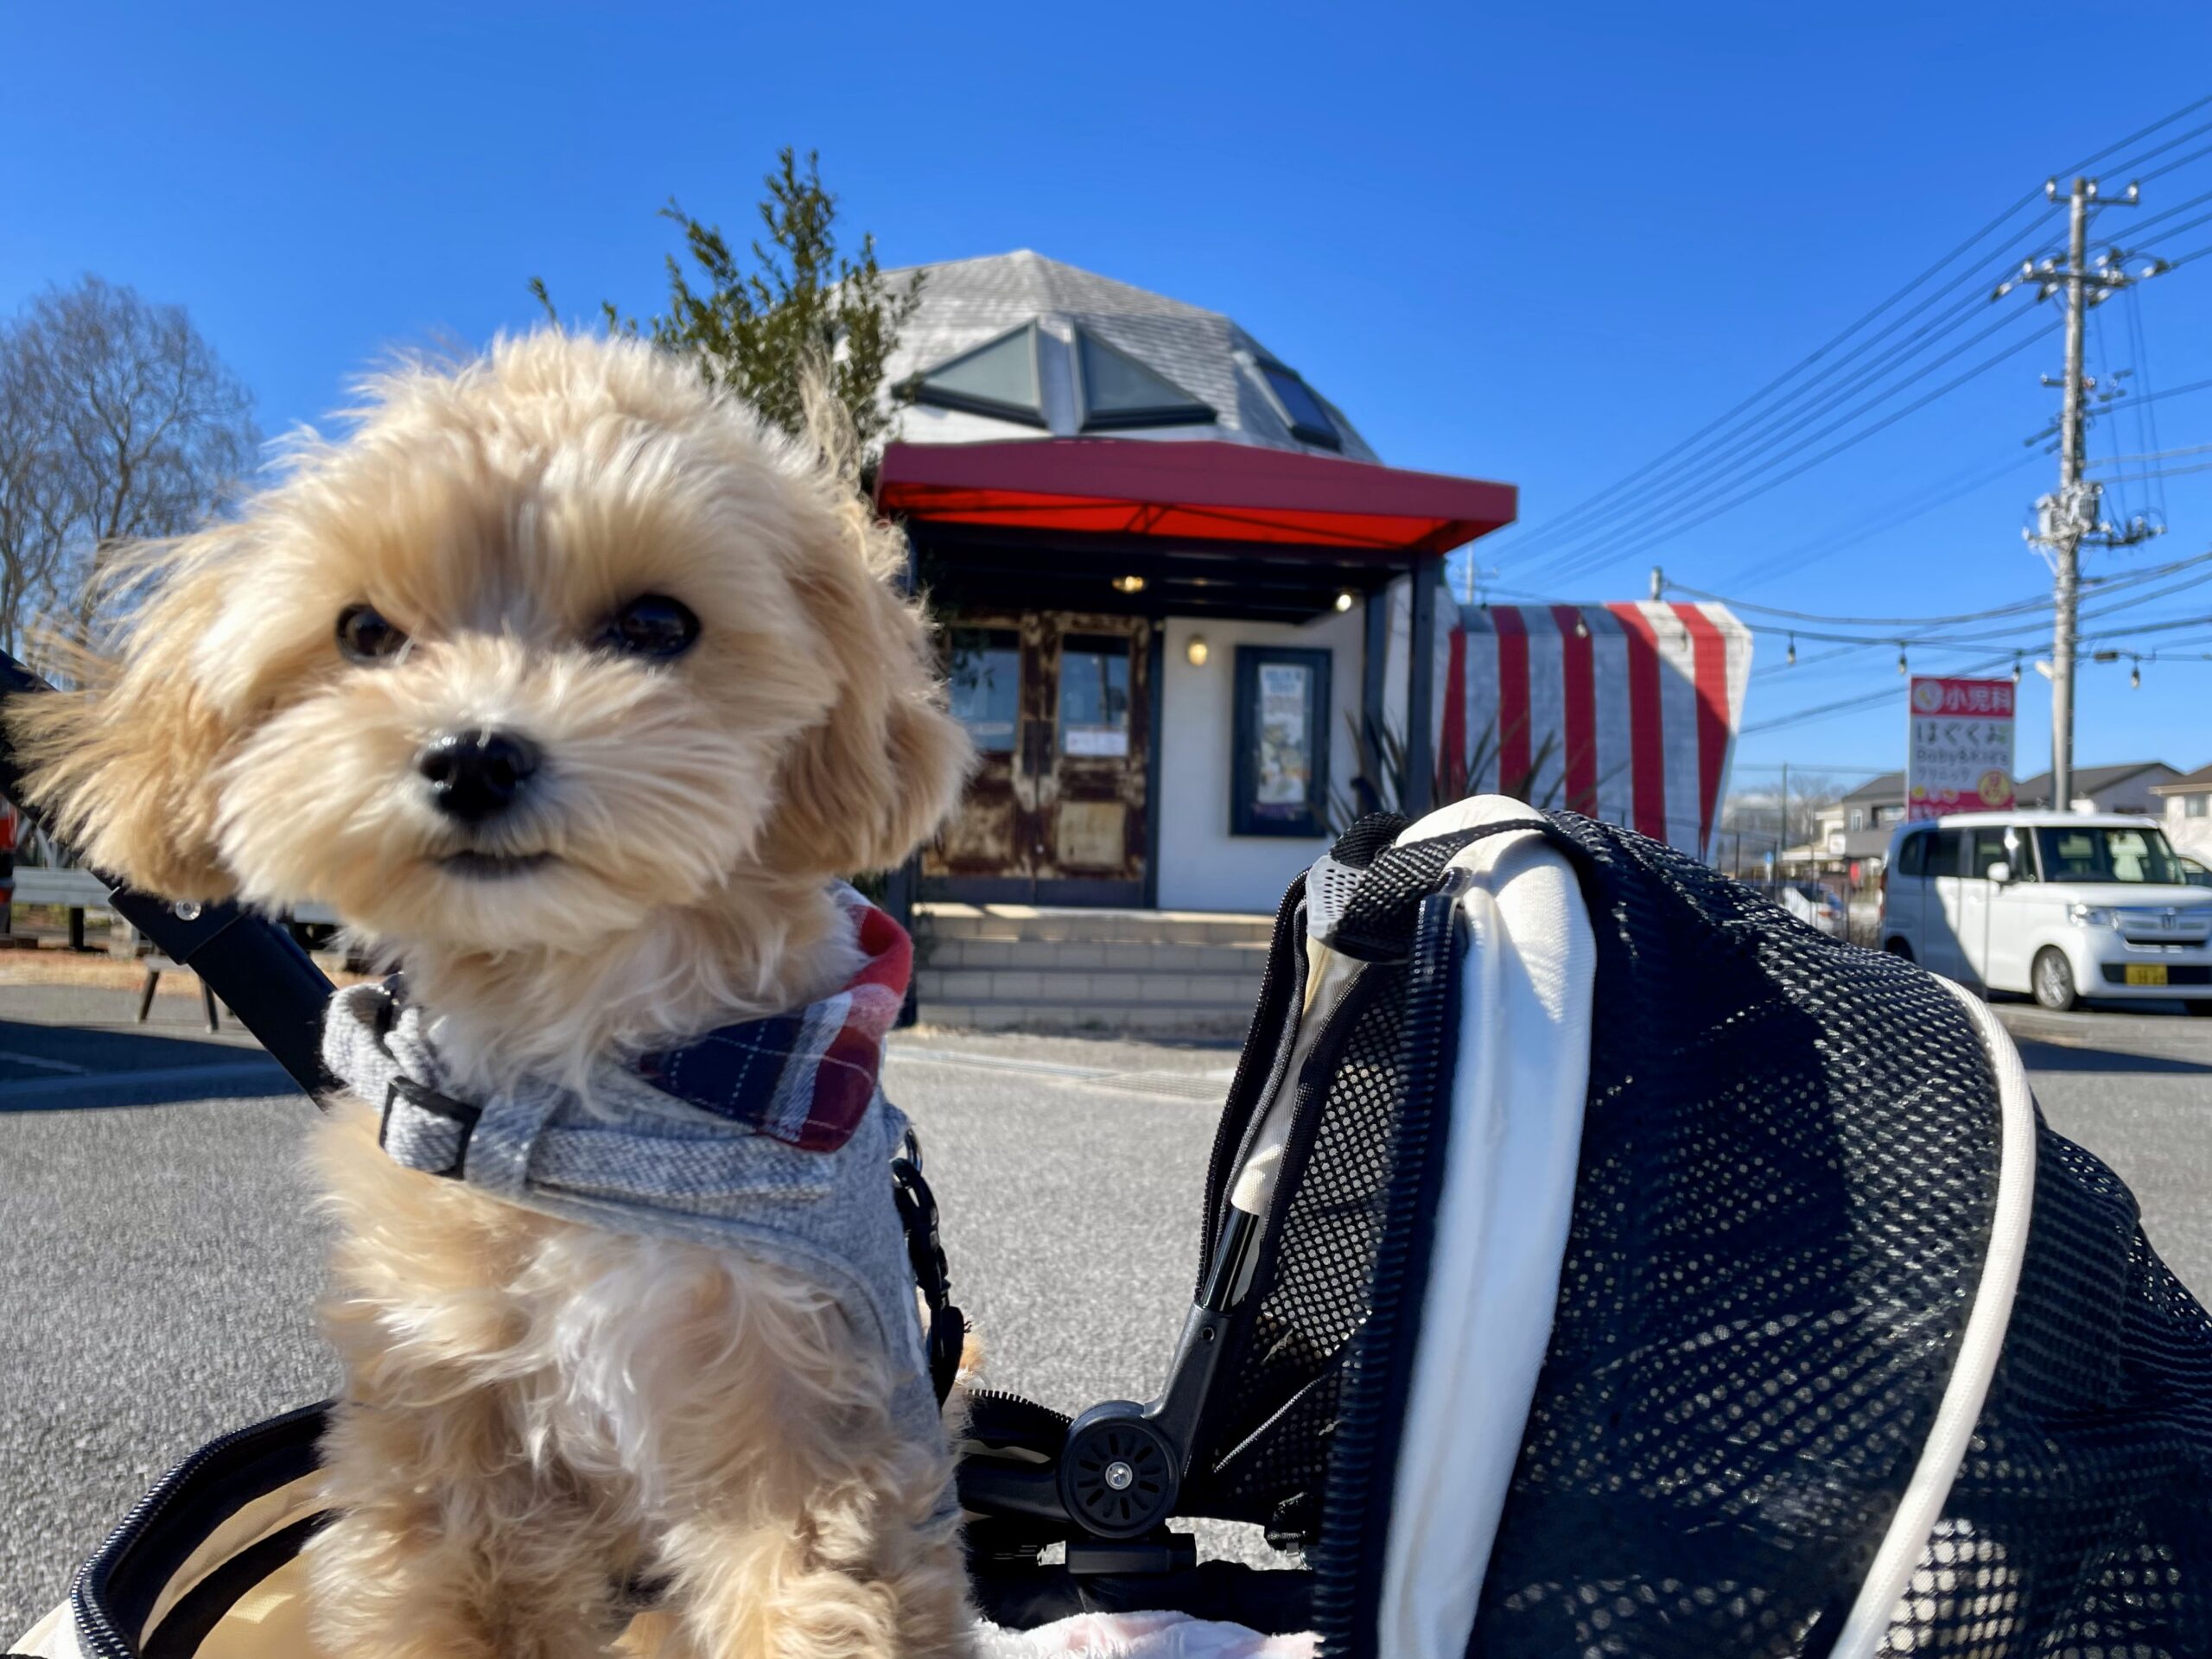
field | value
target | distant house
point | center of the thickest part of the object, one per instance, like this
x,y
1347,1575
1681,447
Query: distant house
x,y
2127,788
1854,831
2189,813
1863,818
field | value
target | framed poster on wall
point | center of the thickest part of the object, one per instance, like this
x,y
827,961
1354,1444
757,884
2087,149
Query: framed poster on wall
x,y
1280,784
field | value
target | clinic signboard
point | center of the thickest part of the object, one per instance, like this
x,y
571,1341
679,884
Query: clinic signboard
x,y
1959,747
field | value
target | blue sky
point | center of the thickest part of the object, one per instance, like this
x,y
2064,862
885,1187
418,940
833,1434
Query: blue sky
x,y
1541,245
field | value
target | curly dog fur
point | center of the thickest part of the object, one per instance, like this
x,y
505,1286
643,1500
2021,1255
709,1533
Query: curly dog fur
x,y
535,1412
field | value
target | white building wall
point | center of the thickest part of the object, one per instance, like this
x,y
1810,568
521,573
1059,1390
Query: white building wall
x,y
1202,865
2191,837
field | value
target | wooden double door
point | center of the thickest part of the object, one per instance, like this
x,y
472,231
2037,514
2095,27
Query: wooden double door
x,y
1059,707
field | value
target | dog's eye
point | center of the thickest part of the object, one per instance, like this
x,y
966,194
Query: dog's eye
x,y
653,625
366,636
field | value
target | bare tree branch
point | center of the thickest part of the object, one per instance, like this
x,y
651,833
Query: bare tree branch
x,y
118,423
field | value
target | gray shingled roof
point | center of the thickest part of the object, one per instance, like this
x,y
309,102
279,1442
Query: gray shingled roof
x,y
1890,786
2090,780
966,303
2188,784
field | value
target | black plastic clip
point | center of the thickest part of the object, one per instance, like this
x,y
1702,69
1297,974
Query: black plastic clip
x,y
458,1112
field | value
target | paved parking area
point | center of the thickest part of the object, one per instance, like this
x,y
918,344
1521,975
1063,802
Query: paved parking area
x,y
2136,1090
159,1250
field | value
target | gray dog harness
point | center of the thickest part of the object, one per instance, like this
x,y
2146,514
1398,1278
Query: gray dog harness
x,y
769,1137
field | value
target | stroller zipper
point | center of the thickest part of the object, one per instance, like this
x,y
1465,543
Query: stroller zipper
x,y
291,1442
1363,1464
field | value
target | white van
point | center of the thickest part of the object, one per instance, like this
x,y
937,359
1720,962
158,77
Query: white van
x,y
2061,905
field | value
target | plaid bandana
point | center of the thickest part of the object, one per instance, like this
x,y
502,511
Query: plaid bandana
x,y
803,1078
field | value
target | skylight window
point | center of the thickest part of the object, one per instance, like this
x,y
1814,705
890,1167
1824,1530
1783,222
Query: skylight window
x,y
1118,391
998,378
1308,421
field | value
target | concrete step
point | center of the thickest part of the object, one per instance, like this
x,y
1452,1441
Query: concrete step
x,y
1010,924
1150,957
1026,968
1016,987
1136,1020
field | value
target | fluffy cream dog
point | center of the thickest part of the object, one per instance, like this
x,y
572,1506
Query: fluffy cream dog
x,y
573,688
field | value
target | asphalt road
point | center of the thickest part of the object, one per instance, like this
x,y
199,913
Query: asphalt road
x,y
158,1246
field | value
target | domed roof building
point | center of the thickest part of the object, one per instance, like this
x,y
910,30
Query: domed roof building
x,y
1017,344
1166,566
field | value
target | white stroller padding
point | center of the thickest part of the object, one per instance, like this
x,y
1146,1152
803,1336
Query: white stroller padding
x,y
1523,1060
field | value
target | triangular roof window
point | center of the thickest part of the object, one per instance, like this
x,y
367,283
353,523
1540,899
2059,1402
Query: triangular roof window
x,y
1118,391
998,378
1302,409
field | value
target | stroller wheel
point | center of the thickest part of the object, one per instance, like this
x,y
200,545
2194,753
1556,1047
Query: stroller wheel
x,y
1118,1476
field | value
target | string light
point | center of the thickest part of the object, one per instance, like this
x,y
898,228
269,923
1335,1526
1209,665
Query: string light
x,y
1902,668
1792,657
2016,669
2135,677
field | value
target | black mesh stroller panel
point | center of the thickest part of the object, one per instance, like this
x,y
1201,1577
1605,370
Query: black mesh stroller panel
x,y
1264,1450
2081,1519
1787,1183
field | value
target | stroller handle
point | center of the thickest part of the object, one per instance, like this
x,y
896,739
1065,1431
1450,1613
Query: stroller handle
x,y
251,963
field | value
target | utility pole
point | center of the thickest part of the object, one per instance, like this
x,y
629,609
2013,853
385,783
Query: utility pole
x,y
2067,518
2075,513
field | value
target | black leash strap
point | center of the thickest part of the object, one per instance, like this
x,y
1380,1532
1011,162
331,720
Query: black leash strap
x,y
251,963
948,1327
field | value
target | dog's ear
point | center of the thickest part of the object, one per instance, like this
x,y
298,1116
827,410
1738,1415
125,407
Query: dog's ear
x,y
865,787
124,761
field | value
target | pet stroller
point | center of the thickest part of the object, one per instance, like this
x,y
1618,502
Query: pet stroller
x,y
1596,1261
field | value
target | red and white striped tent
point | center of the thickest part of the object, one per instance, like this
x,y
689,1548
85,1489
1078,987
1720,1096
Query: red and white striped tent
x,y
1624,712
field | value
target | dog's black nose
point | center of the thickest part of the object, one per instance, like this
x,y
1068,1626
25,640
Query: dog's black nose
x,y
476,775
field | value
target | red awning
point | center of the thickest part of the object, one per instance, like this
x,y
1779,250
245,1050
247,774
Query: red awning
x,y
1201,490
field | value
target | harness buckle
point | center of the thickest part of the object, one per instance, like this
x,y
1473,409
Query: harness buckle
x,y
419,1139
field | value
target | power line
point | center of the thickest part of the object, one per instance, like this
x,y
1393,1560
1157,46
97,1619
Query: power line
x,y
2171,232
2156,455
1901,511
1601,558
2137,177
2180,259
2032,603
2146,420
1806,766
1867,700
1802,716
1776,423
1608,498
2149,219
1784,377
1905,635
1747,463
2104,363
2134,397
2191,108
2163,473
